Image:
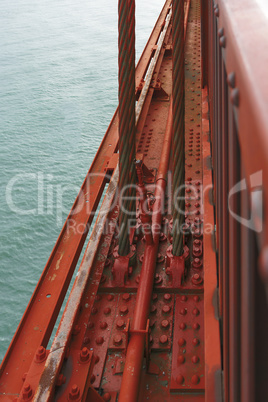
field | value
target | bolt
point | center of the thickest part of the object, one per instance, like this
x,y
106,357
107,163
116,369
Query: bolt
x,y
123,310
179,379
196,342
166,309
184,298
107,310
181,359
181,341
196,311
165,324
195,359
99,340
27,392
235,97
196,326
182,325
167,297
126,297
118,340
197,264
197,252
74,393
196,299
120,324
84,355
163,339
195,379
61,380
196,279
106,397
40,354
110,297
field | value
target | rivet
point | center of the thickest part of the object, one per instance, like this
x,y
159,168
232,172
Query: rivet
x,y
195,359
223,41
99,340
97,359
183,311
182,325
94,310
126,297
220,32
235,97
103,325
181,359
184,298
196,326
217,11
196,342
196,298
195,379
90,325
181,341
92,378
110,297
231,79
179,379
107,310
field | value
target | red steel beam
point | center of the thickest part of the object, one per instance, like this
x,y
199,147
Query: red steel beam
x,y
40,316
135,350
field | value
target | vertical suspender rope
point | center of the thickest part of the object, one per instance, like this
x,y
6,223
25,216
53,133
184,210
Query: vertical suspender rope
x,y
127,146
178,160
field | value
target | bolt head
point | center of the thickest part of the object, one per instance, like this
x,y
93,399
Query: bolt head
x,y
107,310
163,339
165,324
118,340
181,359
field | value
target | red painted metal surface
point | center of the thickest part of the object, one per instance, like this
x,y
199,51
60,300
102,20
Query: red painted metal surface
x,y
150,326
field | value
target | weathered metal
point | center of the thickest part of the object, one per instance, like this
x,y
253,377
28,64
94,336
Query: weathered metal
x,y
188,327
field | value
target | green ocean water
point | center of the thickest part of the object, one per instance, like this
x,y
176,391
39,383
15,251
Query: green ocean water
x,y
58,93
